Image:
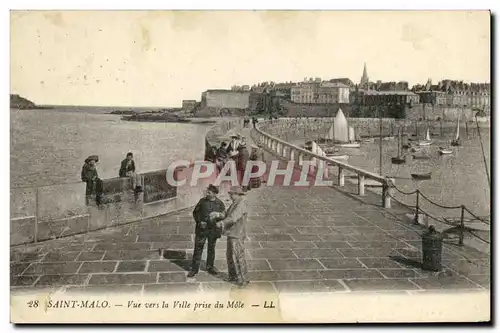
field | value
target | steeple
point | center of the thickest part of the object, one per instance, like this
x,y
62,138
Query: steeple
x,y
364,79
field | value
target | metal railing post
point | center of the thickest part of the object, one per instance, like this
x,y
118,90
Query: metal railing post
x,y
462,226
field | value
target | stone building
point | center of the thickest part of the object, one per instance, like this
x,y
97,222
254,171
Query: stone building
x,y
229,99
320,92
452,93
188,104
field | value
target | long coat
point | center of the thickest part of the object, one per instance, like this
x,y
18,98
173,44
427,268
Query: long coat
x,y
242,159
201,213
234,224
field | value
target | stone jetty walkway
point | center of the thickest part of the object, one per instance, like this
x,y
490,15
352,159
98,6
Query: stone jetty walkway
x,y
314,240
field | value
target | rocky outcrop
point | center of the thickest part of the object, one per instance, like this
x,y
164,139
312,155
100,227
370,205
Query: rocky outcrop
x,y
164,118
18,102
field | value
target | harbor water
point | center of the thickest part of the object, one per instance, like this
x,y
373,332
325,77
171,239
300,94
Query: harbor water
x,y
49,146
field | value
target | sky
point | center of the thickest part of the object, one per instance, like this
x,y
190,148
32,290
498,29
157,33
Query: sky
x,y
159,58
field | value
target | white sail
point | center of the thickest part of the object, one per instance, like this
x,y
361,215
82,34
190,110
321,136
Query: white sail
x,y
340,130
329,136
457,136
427,135
352,137
319,164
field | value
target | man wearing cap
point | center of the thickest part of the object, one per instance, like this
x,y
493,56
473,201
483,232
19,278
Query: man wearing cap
x,y
234,227
206,229
91,178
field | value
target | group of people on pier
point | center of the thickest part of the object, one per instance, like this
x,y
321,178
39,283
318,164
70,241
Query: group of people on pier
x,y
236,150
246,122
94,185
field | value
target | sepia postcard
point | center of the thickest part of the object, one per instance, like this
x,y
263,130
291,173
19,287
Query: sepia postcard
x,y
250,166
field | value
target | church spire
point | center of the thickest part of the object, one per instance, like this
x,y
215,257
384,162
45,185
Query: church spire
x,y
364,79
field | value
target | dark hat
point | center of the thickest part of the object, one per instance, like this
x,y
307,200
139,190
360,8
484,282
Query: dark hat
x,y
92,158
213,188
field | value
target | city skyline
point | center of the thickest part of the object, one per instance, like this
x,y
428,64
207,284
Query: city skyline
x,y
81,58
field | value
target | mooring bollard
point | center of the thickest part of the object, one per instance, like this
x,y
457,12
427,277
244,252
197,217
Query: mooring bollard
x,y
432,247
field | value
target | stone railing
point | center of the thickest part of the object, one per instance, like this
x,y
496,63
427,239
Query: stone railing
x,y
55,211
294,153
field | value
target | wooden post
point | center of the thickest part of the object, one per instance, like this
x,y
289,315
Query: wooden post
x,y
462,227
416,208
341,176
361,185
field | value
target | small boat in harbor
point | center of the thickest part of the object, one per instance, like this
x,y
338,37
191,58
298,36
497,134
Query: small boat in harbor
x,y
331,150
421,157
427,141
421,176
445,151
388,138
367,140
456,142
350,145
398,159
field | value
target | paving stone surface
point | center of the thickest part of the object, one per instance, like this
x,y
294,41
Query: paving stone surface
x,y
308,240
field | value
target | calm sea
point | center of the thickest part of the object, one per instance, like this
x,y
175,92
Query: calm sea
x,y
49,146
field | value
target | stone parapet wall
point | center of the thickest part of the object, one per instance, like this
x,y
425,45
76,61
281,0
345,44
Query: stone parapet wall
x,y
50,212
297,128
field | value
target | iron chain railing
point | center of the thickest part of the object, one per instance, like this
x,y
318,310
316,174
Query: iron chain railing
x,y
418,210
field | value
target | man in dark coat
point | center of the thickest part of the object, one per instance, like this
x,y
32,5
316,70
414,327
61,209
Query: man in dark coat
x,y
91,178
127,169
206,229
241,162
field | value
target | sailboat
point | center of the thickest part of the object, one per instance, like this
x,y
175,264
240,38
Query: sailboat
x,y
427,141
352,140
456,142
445,151
421,176
398,159
367,140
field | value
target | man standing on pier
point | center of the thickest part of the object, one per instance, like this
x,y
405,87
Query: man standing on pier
x,y
234,227
206,229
